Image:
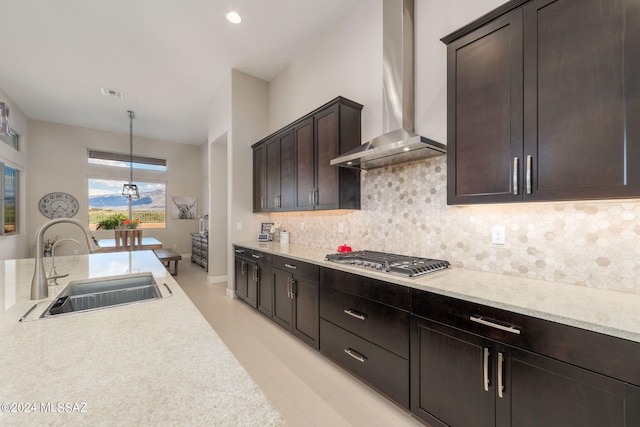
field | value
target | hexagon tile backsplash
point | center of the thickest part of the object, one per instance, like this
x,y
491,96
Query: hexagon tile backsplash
x,y
404,210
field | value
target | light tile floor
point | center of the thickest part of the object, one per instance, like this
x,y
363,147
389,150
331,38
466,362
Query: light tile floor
x,y
305,387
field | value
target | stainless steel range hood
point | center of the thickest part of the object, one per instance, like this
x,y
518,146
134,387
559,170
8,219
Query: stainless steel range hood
x,y
399,144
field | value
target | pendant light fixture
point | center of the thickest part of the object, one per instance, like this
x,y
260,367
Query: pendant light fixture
x,y
130,190
5,126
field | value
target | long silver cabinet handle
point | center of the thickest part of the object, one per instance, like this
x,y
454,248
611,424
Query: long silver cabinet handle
x,y
289,288
256,256
482,321
355,314
239,251
293,267
515,176
293,288
529,167
355,355
316,196
310,197
500,375
485,369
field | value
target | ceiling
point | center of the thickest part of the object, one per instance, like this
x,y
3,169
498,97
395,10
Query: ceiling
x,y
167,57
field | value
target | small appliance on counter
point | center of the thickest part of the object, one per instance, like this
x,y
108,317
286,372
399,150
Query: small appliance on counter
x,y
265,234
344,248
265,237
284,237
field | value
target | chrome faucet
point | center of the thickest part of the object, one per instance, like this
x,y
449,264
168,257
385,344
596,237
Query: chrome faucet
x,y
53,276
39,288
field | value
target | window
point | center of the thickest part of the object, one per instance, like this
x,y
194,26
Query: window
x,y
9,201
11,139
106,199
123,160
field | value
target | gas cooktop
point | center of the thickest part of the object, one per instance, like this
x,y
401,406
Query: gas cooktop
x,y
401,265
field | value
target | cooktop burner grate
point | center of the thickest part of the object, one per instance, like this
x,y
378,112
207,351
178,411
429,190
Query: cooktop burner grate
x,y
401,265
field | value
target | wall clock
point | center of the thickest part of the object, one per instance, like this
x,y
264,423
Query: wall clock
x,y
58,205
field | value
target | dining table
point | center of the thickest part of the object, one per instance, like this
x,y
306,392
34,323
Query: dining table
x,y
148,243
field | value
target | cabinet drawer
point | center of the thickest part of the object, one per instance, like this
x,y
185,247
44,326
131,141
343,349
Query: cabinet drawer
x,y
241,252
261,257
299,268
382,369
381,324
601,353
377,290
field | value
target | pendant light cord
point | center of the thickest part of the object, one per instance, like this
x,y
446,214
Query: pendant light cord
x,y
131,117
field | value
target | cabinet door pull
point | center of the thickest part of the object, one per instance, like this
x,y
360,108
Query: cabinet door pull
x,y
310,197
289,288
355,314
293,288
485,369
355,355
242,267
256,256
493,324
256,273
529,166
262,202
239,251
315,196
293,267
500,375
515,176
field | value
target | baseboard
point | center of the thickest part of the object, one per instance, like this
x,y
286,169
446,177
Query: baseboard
x,y
217,279
230,293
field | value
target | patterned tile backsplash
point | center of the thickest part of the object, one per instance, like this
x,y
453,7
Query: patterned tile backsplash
x,y
404,210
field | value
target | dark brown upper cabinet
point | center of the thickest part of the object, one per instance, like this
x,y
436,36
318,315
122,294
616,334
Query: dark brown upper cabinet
x,y
316,139
279,170
541,96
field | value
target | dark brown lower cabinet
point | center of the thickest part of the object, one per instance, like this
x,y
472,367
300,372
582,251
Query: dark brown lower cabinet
x,y
246,286
295,305
461,379
381,368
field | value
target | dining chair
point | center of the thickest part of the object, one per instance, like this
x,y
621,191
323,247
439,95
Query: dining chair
x,y
128,240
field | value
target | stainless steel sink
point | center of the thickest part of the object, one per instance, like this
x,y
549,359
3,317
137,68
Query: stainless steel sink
x,y
98,293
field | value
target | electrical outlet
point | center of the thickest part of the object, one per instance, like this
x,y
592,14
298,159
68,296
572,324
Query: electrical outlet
x,y
175,246
341,227
498,235
238,226
302,226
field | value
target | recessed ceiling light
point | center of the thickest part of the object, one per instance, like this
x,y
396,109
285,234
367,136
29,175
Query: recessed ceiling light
x,y
234,17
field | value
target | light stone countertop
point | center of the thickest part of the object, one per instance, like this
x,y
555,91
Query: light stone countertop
x,y
147,364
608,312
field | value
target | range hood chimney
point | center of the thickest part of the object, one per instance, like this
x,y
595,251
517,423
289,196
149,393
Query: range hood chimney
x,y
399,144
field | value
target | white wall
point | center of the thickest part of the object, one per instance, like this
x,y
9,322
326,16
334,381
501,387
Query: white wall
x,y
345,61
58,162
238,117
16,245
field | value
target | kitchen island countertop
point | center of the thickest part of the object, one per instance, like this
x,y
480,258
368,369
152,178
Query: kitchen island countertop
x,y
598,310
153,363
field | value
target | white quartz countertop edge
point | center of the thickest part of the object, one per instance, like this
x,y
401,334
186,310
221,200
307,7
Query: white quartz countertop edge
x,y
598,310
